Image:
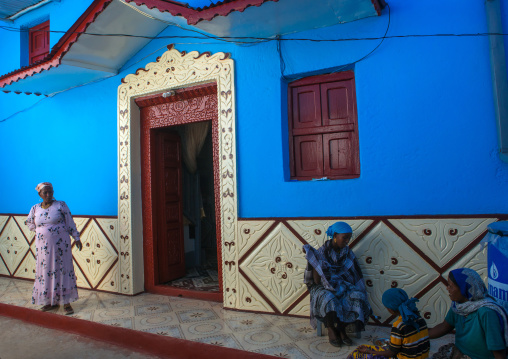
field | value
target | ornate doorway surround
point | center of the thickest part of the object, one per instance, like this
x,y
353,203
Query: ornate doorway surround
x,y
172,71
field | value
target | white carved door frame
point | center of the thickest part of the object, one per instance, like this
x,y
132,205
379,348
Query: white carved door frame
x,y
174,70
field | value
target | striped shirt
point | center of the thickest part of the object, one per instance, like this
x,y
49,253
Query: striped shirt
x,y
406,342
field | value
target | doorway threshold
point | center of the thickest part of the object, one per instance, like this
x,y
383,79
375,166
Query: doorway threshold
x,y
185,293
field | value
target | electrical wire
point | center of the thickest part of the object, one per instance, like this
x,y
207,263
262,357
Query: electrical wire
x,y
479,34
283,63
23,110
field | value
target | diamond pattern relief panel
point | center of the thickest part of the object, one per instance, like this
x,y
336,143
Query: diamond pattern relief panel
x,y
250,232
314,232
98,254
434,305
388,262
442,239
110,228
17,251
29,235
302,308
13,245
27,268
111,280
275,265
250,298
475,259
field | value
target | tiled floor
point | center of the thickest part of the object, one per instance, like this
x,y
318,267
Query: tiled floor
x,y
201,321
199,278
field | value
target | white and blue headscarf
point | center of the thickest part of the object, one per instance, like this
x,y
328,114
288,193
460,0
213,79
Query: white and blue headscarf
x,y
472,287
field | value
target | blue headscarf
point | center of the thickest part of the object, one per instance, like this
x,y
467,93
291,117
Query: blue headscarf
x,y
338,227
397,299
470,283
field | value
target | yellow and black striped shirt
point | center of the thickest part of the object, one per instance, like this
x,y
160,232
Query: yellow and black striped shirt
x,y
406,342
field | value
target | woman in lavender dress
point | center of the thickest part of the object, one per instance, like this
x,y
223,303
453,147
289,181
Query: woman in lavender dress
x,y
55,281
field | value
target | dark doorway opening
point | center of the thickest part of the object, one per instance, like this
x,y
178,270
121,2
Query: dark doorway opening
x,y
180,182
198,211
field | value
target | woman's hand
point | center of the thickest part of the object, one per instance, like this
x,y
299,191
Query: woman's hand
x,y
365,350
439,330
79,245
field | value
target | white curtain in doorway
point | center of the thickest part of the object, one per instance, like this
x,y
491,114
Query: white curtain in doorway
x,y
195,135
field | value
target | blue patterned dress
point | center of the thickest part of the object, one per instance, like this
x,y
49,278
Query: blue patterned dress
x,y
342,289
55,281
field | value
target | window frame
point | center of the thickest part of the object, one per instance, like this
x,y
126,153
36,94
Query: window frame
x,y
31,30
355,156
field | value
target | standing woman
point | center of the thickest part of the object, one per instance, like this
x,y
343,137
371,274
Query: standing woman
x,y
55,281
338,295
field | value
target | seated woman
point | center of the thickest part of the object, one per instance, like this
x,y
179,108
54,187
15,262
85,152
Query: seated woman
x,y
480,323
337,290
409,337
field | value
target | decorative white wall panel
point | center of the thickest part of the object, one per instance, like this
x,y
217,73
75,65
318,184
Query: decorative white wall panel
x,y
415,254
387,262
96,266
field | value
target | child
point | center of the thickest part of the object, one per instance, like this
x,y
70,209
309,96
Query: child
x,y
409,337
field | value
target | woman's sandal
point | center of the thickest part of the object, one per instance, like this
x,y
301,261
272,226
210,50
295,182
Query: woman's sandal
x,y
68,309
335,342
346,340
48,307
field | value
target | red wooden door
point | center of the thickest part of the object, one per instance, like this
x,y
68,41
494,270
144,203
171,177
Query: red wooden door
x,y
167,200
38,42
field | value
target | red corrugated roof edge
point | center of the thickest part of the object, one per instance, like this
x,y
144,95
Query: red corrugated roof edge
x,y
175,8
193,16
53,59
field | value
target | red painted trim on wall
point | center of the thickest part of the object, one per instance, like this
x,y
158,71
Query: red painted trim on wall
x,y
500,216
142,342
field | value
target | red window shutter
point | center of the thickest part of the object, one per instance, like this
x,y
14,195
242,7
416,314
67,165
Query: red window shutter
x,y
308,156
38,42
306,107
323,130
338,103
340,154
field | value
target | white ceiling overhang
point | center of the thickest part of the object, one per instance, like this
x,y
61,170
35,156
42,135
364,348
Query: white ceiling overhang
x,y
89,57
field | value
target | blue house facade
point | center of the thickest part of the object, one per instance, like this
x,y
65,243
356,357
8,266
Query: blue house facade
x,y
306,115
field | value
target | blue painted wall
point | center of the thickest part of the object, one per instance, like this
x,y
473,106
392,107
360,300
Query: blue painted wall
x,y
425,114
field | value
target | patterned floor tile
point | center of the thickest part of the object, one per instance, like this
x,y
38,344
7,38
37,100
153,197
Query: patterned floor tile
x,y
196,315
156,320
114,303
223,340
171,331
17,302
319,347
247,322
113,313
146,298
82,315
197,330
181,303
119,322
152,308
298,330
261,338
289,351
202,321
